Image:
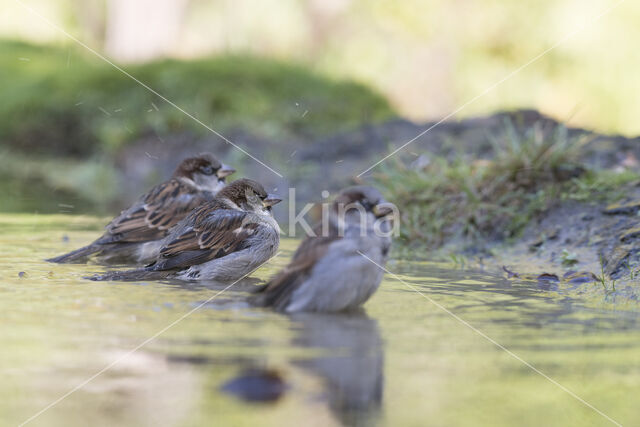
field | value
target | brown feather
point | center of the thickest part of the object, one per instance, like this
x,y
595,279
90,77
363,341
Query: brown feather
x,y
236,190
214,231
151,217
156,212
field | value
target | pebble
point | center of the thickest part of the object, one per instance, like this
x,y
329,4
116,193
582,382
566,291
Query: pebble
x,y
256,385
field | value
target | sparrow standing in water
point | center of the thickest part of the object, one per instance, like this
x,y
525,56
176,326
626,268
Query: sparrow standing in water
x,y
134,235
223,240
328,273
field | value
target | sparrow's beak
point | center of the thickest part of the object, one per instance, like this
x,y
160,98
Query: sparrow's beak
x,y
383,209
224,171
271,200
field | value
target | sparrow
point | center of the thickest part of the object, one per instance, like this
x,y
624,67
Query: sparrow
x,y
222,240
133,236
336,270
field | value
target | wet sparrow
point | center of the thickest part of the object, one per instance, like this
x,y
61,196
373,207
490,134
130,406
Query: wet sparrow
x,y
133,236
329,273
223,240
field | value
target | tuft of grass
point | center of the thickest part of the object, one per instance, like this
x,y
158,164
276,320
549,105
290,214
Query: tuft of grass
x,y
469,200
604,281
459,261
61,100
600,185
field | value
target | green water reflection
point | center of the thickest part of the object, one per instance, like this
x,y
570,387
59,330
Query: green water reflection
x,y
402,361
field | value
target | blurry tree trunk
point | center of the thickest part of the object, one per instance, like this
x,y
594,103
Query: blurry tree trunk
x,y
91,20
140,30
323,17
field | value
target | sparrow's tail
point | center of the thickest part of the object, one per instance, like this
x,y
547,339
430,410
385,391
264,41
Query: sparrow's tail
x,y
132,275
77,256
277,293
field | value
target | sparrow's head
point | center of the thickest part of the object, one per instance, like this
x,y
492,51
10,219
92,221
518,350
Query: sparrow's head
x,y
359,205
206,172
249,195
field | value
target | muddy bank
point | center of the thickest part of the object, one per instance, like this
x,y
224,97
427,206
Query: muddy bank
x,y
578,243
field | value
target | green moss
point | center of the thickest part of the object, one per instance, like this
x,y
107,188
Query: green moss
x,y
600,185
469,201
66,101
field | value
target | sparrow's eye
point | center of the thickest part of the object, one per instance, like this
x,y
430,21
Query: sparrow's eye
x,y
252,197
206,170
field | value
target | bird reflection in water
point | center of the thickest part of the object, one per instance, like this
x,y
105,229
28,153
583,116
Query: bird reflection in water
x,y
350,361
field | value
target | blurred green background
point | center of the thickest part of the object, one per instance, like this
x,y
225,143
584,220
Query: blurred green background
x,y
286,71
426,56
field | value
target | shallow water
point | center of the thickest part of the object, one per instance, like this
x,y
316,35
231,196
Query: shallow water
x,y
402,361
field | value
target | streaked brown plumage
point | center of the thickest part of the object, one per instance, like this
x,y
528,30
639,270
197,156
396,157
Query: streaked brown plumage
x,y
129,237
224,239
212,236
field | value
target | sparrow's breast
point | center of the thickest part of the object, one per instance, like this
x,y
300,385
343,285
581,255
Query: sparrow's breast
x,y
343,278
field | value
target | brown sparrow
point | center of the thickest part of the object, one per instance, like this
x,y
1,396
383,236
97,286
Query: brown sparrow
x,y
330,272
133,236
223,240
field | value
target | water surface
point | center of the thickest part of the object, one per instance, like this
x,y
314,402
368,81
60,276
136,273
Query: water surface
x,y
401,361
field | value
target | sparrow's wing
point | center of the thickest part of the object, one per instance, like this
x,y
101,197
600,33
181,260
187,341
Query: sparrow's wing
x,y
313,245
277,293
211,234
154,213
